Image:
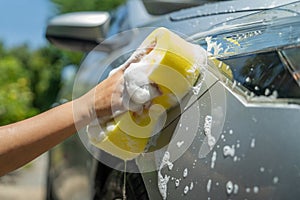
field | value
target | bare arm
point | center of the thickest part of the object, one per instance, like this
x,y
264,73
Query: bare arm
x,y
23,141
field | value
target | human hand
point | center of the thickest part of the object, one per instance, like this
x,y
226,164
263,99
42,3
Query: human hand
x,y
111,97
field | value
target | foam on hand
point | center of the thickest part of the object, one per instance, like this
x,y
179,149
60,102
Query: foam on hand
x,y
153,85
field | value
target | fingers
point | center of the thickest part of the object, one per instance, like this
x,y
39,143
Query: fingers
x,y
139,54
112,97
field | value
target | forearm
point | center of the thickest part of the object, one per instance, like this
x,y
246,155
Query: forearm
x,y
25,140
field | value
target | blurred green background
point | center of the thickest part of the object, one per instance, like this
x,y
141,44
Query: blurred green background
x,y
31,78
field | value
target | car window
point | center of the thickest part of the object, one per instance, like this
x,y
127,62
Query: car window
x,y
258,54
292,60
264,74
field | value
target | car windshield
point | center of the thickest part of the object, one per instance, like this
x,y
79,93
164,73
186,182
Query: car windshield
x,y
259,52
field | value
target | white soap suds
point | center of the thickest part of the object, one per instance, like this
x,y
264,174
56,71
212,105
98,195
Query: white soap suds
x,y
255,189
163,180
229,187
248,80
207,130
179,143
275,179
185,173
235,189
213,159
139,89
235,158
228,151
262,169
213,47
191,185
186,189
267,92
95,132
177,182
196,89
252,144
208,186
162,184
110,126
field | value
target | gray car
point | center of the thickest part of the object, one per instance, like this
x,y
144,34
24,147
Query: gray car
x,y
235,137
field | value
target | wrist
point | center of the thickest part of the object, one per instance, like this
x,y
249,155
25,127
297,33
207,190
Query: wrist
x,y
83,110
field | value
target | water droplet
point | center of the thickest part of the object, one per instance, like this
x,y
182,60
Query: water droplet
x,y
262,169
275,180
191,185
248,80
208,186
235,158
226,82
234,84
186,189
177,182
267,92
213,159
254,119
220,64
252,145
179,143
255,189
229,187
230,131
248,190
185,173
235,189
211,141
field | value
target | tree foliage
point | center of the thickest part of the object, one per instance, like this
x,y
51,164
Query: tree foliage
x,y
31,79
64,6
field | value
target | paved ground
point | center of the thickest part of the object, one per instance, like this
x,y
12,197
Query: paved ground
x,y
25,183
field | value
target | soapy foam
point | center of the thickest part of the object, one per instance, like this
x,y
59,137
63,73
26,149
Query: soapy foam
x,y
207,130
213,159
186,189
229,187
228,151
138,88
208,186
191,185
163,180
177,182
185,173
179,143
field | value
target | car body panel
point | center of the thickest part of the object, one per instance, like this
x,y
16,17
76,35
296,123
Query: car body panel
x,y
256,134
265,154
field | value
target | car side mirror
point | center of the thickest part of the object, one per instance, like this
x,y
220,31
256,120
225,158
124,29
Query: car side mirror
x,y
79,31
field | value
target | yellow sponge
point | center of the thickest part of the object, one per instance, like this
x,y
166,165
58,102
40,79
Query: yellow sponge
x,y
173,66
